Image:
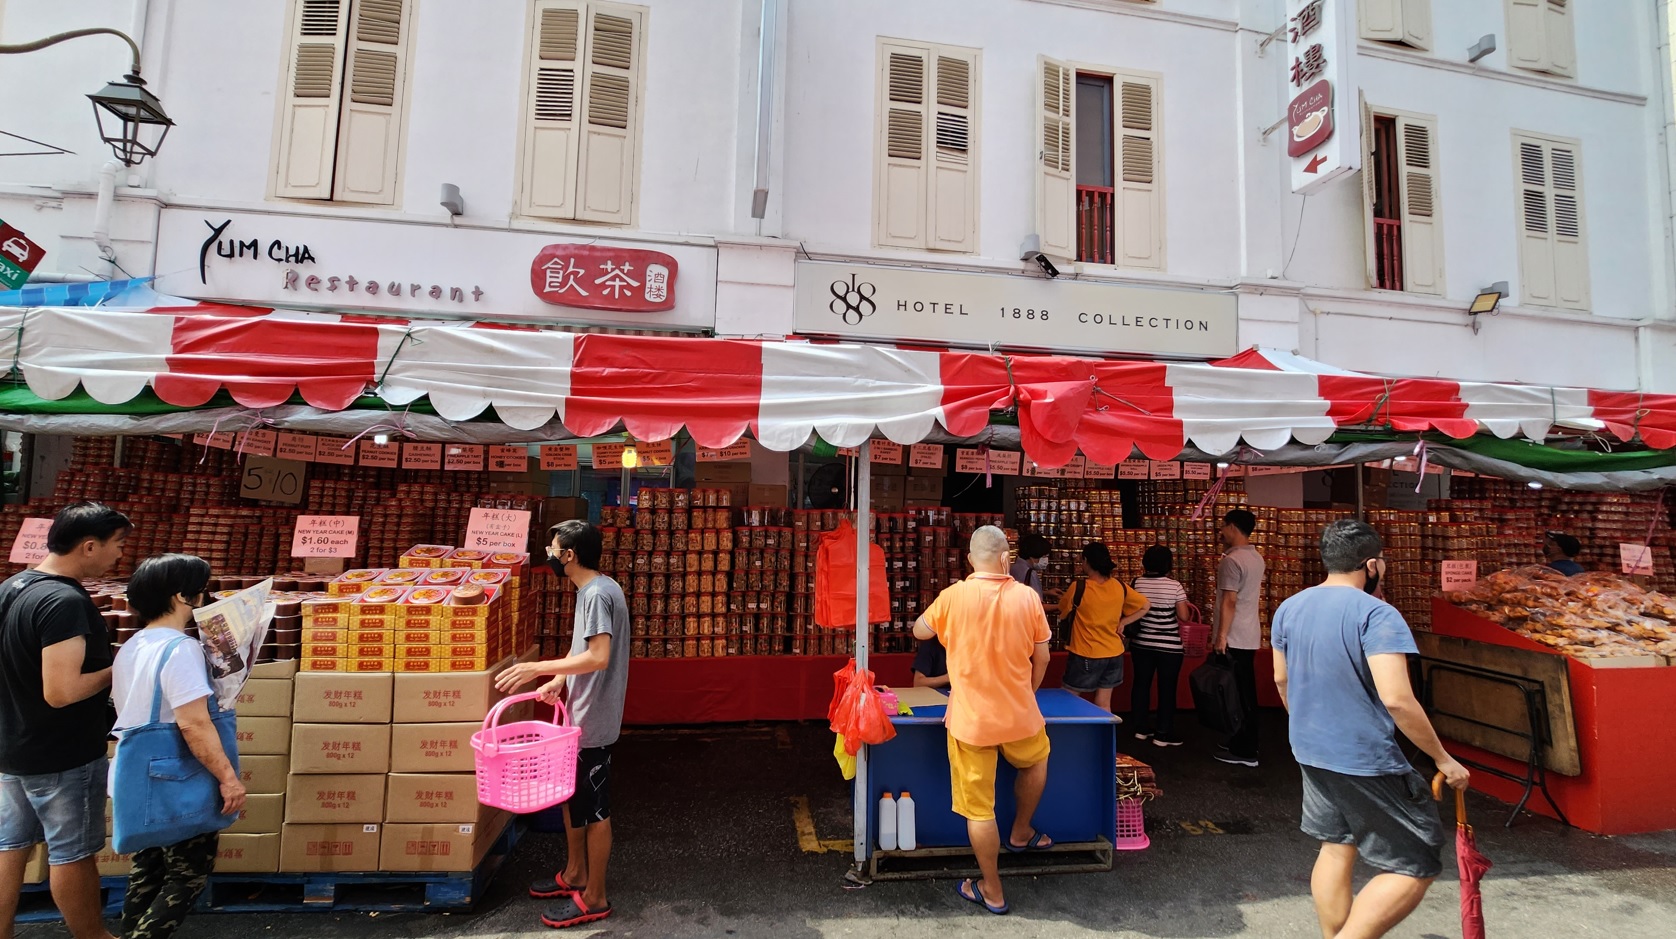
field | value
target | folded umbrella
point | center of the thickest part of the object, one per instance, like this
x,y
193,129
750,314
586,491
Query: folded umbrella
x,y
1471,862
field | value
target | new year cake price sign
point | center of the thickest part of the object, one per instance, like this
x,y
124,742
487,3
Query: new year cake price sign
x,y
498,530
326,536
30,546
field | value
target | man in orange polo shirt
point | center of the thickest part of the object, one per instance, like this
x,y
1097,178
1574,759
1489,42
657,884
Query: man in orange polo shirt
x,y
996,634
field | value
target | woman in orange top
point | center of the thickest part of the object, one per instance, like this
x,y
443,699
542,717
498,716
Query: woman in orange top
x,y
1107,605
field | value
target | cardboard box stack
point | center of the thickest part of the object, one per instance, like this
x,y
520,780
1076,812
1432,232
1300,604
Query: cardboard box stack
x,y
340,756
252,844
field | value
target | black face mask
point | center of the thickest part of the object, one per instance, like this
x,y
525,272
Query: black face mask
x,y
556,566
1372,586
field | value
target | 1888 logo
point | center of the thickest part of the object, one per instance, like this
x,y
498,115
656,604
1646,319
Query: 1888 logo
x,y
852,301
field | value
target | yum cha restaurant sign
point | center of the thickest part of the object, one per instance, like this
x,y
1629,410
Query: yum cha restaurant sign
x,y
1017,311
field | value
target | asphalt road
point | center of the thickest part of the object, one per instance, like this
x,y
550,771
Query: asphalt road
x,y
707,845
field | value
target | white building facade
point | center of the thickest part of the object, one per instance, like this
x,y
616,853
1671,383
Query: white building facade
x,y
890,171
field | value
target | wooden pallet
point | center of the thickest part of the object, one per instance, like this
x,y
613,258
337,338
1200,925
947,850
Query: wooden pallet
x,y
936,863
418,892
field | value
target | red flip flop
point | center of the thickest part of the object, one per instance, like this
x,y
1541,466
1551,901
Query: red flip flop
x,y
573,913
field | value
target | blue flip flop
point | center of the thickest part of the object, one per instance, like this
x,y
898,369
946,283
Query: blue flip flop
x,y
1034,844
976,896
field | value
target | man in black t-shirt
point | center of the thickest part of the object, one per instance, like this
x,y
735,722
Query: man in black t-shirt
x,y
931,665
55,677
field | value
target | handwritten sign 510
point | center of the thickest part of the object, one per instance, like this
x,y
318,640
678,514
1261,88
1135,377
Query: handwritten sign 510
x,y
498,530
326,536
31,545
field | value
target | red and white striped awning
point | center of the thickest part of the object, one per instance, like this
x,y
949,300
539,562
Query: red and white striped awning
x,y
778,391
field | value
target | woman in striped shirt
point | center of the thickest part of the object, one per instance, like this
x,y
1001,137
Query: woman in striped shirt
x,y
1157,648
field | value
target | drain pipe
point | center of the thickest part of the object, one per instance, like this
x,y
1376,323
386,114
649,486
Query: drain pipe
x,y
102,210
1667,100
767,49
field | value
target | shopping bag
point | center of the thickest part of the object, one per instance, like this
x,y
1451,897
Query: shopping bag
x,y
859,714
835,578
846,759
840,684
162,794
1216,695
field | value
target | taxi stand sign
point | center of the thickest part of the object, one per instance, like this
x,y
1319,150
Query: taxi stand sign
x,y
18,257
1323,118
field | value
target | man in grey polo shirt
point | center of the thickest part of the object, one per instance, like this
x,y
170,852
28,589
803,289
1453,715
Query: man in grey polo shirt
x,y
1239,632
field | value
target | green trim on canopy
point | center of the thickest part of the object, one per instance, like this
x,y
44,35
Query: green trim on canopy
x,y
18,399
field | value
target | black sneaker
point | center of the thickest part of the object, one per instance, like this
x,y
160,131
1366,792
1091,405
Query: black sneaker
x,y
1222,748
1143,735
1166,740
1236,760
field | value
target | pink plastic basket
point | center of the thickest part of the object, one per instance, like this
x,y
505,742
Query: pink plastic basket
x,y
1195,636
526,766
1131,826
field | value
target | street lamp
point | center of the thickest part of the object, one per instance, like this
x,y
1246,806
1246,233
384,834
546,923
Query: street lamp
x,y
131,119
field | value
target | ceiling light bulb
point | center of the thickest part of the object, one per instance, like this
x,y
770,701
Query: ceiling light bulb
x,y
631,458
1534,484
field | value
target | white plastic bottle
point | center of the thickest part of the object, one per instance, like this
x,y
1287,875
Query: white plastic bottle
x,y
887,823
905,836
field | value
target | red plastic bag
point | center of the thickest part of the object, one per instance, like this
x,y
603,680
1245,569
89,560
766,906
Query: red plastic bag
x,y
835,581
857,711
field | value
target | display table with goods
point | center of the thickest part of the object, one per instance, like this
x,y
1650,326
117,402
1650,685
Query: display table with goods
x,y
1609,755
1079,808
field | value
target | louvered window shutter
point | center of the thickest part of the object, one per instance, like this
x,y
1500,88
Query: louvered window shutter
x,y
1381,20
1370,188
1536,229
1140,184
610,114
1561,41
1417,23
550,150
1571,258
952,190
1056,188
370,134
309,100
901,203
1422,231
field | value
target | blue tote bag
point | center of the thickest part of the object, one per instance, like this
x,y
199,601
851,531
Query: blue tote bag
x,y
161,794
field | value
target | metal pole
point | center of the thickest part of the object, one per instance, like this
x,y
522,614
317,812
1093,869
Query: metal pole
x,y
1361,495
863,568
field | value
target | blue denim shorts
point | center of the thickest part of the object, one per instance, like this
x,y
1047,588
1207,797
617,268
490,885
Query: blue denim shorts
x,y
1087,675
66,810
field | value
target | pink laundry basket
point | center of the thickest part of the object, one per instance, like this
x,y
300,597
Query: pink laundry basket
x,y
526,766
1195,635
1131,826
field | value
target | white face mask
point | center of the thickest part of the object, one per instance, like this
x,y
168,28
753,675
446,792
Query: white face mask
x,y
1040,564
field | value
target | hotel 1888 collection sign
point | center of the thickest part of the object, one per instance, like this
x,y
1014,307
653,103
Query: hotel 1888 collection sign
x,y
864,302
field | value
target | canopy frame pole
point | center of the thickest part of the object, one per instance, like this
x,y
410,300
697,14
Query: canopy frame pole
x,y
863,571
1361,494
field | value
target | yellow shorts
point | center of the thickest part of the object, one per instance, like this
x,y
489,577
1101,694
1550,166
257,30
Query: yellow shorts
x,y
972,772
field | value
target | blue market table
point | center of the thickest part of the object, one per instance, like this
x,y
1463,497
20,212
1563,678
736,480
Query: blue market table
x,y
1078,808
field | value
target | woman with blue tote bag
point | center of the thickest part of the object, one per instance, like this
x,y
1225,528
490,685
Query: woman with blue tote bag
x,y
175,780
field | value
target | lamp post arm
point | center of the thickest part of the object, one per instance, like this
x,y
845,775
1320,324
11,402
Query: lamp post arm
x,y
57,38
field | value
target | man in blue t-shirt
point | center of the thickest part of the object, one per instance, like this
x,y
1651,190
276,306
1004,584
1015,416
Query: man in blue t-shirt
x,y
1341,663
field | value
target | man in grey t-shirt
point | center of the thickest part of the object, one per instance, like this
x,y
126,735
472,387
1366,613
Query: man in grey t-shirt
x,y
593,679
1239,633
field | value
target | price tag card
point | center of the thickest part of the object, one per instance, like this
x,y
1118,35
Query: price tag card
x,y
661,453
1093,470
735,453
1459,575
30,546
498,530
508,459
1234,471
558,457
221,441
1076,468
1042,472
1165,469
270,479
1269,470
259,442
325,536
1134,469
421,456
970,461
889,453
926,456
385,456
1007,462
464,457
334,450
608,456
1195,471
851,452
1636,558
295,447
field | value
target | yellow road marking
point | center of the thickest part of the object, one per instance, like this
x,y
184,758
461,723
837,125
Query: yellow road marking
x,y
807,840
